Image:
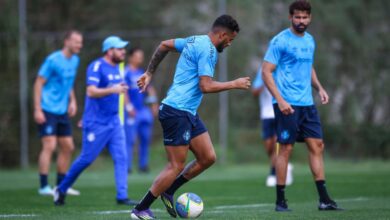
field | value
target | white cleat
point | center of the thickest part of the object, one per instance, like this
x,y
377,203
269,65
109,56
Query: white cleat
x,y
72,192
271,181
46,191
289,178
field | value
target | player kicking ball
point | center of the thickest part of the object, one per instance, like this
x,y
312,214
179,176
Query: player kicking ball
x,y
183,129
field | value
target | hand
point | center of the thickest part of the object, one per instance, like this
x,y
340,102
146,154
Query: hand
x,y
132,113
72,109
120,88
144,81
39,117
242,83
285,107
324,96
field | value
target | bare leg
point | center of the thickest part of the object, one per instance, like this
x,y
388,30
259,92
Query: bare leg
x,y
270,145
281,163
65,154
316,149
48,146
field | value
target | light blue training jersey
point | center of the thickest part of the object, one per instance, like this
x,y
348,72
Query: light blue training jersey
x,y
198,58
293,56
59,73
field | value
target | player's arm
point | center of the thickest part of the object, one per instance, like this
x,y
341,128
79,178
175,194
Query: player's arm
x,y
39,117
95,92
317,85
162,50
258,85
267,70
208,85
72,108
152,99
129,107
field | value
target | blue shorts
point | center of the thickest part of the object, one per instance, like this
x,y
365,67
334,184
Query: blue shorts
x,y
57,125
179,127
303,123
269,129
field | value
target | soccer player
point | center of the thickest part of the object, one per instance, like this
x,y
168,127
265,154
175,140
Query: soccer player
x,y
101,124
141,110
183,130
289,74
54,103
267,117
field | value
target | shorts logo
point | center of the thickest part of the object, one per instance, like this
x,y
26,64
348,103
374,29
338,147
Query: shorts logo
x,y
49,129
285,135
91,137
186,135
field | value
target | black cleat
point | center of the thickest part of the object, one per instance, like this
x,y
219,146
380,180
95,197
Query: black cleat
x,y
168,203
281,206
59,197
126,202
328,206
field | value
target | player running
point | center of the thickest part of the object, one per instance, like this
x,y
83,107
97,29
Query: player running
x,y
183,129
289,74
101,124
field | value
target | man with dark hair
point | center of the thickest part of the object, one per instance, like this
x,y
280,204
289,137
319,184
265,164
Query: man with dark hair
x,y
101,124
183,130
54,103
289,74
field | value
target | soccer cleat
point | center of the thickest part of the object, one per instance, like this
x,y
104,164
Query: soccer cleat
x,y
271,181
72,192
59,197
46,191
289,177
328,206
126,202
168,203
282,206
143,215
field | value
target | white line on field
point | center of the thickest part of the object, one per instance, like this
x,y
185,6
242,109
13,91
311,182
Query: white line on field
x,y
17,215
108,212
257,205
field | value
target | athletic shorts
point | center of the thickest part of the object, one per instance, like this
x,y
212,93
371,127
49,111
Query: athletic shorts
x,y
58,125
179,127
268,130
303,123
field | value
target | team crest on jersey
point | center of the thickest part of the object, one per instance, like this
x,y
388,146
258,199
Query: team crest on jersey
x,y
186,135
91,137
49,129
285,135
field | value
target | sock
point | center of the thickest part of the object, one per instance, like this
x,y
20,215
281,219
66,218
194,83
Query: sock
x,y
179,181
60,177
272,171
146,201
322,192
280,193
43,180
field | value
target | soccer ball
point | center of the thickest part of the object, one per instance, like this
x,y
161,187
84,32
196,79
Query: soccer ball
x,y
189,205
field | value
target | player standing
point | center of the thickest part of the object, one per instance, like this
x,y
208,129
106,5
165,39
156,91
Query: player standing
x,y
183,130
101,123
54,103
289,74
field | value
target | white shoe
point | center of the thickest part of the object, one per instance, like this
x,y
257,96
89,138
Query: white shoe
x,y
289,178
271,181
46,191
73,192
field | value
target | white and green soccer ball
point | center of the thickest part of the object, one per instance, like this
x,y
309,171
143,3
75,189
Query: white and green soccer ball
x,y
189,205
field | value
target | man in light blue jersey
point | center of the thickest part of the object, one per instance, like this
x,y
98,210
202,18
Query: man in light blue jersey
x,y
289,74
141,109
101,124
183,130
54,103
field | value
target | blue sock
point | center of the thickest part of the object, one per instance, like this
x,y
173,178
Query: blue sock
x,y
60,177
43,180
272,171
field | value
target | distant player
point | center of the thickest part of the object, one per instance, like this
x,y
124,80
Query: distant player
x,y
183,130
141,109
101,124
54,103
289,74
267,117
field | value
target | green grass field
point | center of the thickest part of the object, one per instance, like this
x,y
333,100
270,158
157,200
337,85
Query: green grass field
x,y
228,192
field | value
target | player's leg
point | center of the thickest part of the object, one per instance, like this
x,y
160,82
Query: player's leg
x,y
269,140
130,132
144,134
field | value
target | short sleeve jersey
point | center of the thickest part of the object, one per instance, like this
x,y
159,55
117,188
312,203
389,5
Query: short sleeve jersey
x,y
265,98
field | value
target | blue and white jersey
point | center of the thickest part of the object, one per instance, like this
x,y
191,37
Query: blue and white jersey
x,y
198,58
265,98
59,73
102,110
293,56
136,97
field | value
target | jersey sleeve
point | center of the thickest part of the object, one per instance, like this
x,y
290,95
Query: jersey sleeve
x,y
93,74
46,69
258,82
274,51
206,64
180,43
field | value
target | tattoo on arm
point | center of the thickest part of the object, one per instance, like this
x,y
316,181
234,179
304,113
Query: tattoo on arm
x,y
157,57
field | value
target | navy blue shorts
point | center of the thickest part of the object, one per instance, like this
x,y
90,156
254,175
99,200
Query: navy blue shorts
x,y
303,123
58,125
179,127
269,129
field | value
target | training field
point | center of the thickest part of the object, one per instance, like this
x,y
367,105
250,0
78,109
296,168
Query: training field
x,y
228,192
